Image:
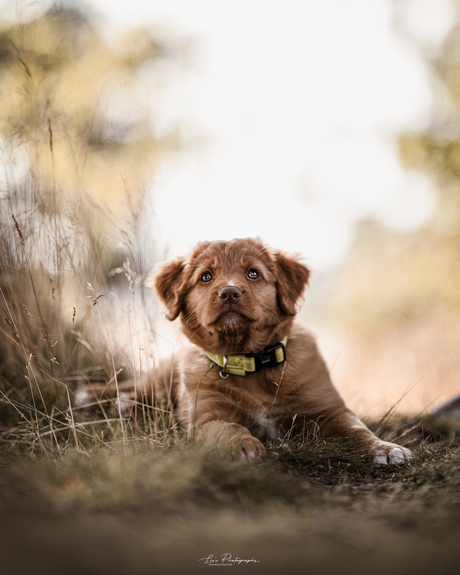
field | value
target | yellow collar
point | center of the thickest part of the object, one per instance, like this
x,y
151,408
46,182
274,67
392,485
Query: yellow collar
x,y
241,364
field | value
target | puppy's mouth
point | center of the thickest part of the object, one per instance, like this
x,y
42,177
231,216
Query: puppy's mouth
x,y
231,319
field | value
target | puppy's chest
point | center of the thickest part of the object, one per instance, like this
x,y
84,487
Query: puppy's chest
x,y
258,398
266,407
261,397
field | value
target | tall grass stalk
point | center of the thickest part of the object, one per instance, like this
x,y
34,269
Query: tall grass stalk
x,y
118,404
73,214
46,362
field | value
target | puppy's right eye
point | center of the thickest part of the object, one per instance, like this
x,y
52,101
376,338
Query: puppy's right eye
x,y
206,277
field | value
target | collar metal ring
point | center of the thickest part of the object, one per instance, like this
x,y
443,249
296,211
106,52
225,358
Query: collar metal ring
x,y
223,372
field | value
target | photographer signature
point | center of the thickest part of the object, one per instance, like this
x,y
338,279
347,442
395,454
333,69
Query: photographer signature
x,y
227,559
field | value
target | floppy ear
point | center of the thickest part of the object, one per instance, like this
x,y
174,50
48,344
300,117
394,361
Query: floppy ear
x,y
169,281
291,280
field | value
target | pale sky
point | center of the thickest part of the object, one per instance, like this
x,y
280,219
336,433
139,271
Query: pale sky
x,y
297,104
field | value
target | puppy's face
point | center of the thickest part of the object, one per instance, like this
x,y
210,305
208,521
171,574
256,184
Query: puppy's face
x,y
232,296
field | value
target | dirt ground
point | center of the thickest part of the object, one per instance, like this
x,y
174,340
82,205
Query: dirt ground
x,y
137,543
309,507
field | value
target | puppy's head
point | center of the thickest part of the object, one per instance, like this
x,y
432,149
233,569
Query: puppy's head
x,y
232,296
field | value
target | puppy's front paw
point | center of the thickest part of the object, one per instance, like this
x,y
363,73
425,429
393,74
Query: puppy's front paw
x,y
247,448
391,454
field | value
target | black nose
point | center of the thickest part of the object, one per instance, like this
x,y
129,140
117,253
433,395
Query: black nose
x,y
230,293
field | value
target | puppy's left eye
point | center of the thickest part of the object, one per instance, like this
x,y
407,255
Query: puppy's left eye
x,y
253,274
206,277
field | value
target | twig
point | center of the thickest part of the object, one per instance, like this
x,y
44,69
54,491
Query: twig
x,y
196,395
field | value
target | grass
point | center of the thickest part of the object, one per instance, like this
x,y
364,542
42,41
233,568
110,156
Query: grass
x,y
166,477
170,504
113,475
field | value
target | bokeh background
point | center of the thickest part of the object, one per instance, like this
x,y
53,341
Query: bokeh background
x,y
330,129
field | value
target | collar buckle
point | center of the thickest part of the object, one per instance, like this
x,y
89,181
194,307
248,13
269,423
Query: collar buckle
x,y
268,357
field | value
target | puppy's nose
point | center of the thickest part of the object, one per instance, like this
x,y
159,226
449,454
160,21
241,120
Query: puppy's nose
x,y
230,293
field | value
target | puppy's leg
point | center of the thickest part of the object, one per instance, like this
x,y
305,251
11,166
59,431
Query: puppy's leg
x,y
123,399
345,425
322,403
218,419
237,438
162,385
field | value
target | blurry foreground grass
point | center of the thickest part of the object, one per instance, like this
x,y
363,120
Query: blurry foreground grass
x,y
146,506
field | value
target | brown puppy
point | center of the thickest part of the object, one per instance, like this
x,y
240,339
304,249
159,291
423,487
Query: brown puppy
x,y
234,299
237,303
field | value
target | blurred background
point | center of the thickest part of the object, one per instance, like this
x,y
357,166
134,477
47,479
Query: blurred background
x,y
132,130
